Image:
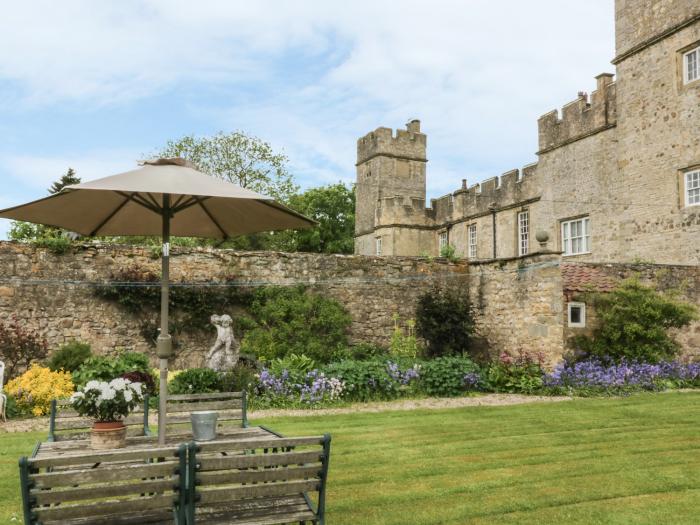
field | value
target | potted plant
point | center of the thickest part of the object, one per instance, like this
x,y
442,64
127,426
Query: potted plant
x,y
107,403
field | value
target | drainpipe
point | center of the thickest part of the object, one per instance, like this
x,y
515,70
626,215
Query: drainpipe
x,y
492,208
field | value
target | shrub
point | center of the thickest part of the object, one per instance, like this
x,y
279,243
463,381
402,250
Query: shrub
x,y
294,363
377,379
444,319
365,351
19,347
34,390
103,368
444,376
103,401
292,321
195,381
240,378
520,374
634,321
70,357
449,252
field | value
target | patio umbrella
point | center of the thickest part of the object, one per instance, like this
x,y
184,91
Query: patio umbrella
x,y
163,197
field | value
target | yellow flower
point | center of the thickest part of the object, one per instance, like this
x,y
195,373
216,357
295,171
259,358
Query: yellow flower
x,y
35,389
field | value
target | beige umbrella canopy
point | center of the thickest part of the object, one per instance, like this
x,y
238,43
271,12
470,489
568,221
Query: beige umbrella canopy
x,y
162,197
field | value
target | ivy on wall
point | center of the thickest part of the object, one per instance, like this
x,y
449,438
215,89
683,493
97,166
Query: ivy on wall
x,y
136,291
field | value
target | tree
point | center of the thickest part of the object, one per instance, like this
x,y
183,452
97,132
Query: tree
x,y
633,324
445,320
28,232
333,207
239,158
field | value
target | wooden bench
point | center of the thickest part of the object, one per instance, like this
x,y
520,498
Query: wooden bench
x,y
145,486
260,481
231,406
65,423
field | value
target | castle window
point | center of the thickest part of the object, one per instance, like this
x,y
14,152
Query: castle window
x,y
692,188
471,233
378,246
575,236
442,241
691,65
523,232
577,315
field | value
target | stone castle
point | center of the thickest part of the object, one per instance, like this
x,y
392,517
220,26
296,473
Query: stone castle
x,y
617,177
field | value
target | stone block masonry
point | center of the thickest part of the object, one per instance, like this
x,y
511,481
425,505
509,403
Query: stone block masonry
x,y
51,294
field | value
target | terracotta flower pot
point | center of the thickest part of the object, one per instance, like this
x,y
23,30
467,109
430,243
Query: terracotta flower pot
x,y
108,434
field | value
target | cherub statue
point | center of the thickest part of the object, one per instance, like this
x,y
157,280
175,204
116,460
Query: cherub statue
x,y
224,354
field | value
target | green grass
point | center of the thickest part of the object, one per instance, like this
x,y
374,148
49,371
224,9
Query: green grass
x,y
628,461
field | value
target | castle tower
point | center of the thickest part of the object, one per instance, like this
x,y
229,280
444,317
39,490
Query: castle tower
x,y
388,167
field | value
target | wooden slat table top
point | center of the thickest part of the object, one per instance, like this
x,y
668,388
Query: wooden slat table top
x,y
78,447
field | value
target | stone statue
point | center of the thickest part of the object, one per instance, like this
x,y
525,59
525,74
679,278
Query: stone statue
x,y
224,354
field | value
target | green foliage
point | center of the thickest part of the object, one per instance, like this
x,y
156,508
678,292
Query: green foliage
x,y
294,321
14,410
444,319
189,305
522,374
449,252
364,380
19,347
366,351
103,368
239,158
42,236
195,381
70,356
293,363
240,378
634,323
404,344
444,376
333,207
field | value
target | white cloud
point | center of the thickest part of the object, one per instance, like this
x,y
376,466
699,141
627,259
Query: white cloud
x,y
478,73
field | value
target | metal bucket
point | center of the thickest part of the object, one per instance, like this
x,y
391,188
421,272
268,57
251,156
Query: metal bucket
x,y
204,425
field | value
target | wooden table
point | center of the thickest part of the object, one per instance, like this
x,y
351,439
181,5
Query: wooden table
x,y
78,447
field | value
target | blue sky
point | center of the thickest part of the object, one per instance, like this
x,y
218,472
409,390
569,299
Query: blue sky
x,y
97,85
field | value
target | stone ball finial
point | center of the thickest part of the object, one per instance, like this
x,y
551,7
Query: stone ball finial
x,y
542,237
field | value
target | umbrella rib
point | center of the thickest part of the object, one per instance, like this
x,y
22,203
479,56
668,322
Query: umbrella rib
x,y
178,201
191,202
153,200
109,217
211,217
140,201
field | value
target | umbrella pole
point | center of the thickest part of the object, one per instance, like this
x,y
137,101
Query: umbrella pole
x,y
164,345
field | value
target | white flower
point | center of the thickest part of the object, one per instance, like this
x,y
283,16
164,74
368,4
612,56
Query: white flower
x,y
136,387
107,393
128,396
76,396
92,385
118,383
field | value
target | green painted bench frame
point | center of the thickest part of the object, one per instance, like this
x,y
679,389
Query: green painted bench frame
x,y
148,484
280,463
58,405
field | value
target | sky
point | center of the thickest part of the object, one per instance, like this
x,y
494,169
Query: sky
x,y
97,86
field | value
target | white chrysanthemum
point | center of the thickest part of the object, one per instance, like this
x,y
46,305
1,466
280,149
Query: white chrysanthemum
x,y
136,387
107,393
92,385
128,396
118,383
76,396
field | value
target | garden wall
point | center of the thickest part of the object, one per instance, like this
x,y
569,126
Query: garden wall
x,y
54,294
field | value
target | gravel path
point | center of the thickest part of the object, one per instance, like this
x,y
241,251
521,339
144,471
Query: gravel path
x,y
42,423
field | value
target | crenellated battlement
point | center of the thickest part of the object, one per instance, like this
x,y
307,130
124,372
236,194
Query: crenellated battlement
x,y
401,210
581,117
407,143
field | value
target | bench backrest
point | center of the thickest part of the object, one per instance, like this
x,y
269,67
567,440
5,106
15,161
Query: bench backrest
x,y
227,473
146,485
231,406
65,423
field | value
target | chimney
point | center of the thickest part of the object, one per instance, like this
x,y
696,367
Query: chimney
x,y
413,125
464,184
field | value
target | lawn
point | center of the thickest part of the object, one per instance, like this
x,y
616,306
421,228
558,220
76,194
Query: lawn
x,y
633,460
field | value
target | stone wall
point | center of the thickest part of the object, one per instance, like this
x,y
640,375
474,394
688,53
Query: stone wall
x,y
684,280
519,304
52,294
